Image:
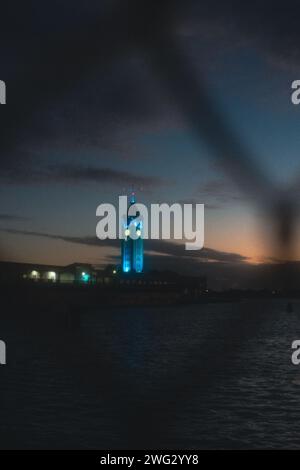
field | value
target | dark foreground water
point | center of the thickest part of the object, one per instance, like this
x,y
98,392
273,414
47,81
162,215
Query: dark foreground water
x,y
187,377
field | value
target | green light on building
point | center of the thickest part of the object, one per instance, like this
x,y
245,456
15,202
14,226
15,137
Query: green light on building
x,y
85,277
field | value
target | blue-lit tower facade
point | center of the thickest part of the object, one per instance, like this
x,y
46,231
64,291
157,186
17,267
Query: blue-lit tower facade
x,y
132,249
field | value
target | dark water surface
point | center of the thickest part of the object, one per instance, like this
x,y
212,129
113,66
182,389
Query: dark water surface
x,y
185,377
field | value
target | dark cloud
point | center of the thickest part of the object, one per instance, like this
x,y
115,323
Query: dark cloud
x,y
206,254
77,174
160,247
12,218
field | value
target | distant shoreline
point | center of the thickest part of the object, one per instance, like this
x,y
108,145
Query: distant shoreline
x,y
61,296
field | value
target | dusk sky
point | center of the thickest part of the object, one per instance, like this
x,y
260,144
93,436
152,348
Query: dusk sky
x,y
89,114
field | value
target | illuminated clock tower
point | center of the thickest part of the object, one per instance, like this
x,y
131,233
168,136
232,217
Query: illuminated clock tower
x,y
132,250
